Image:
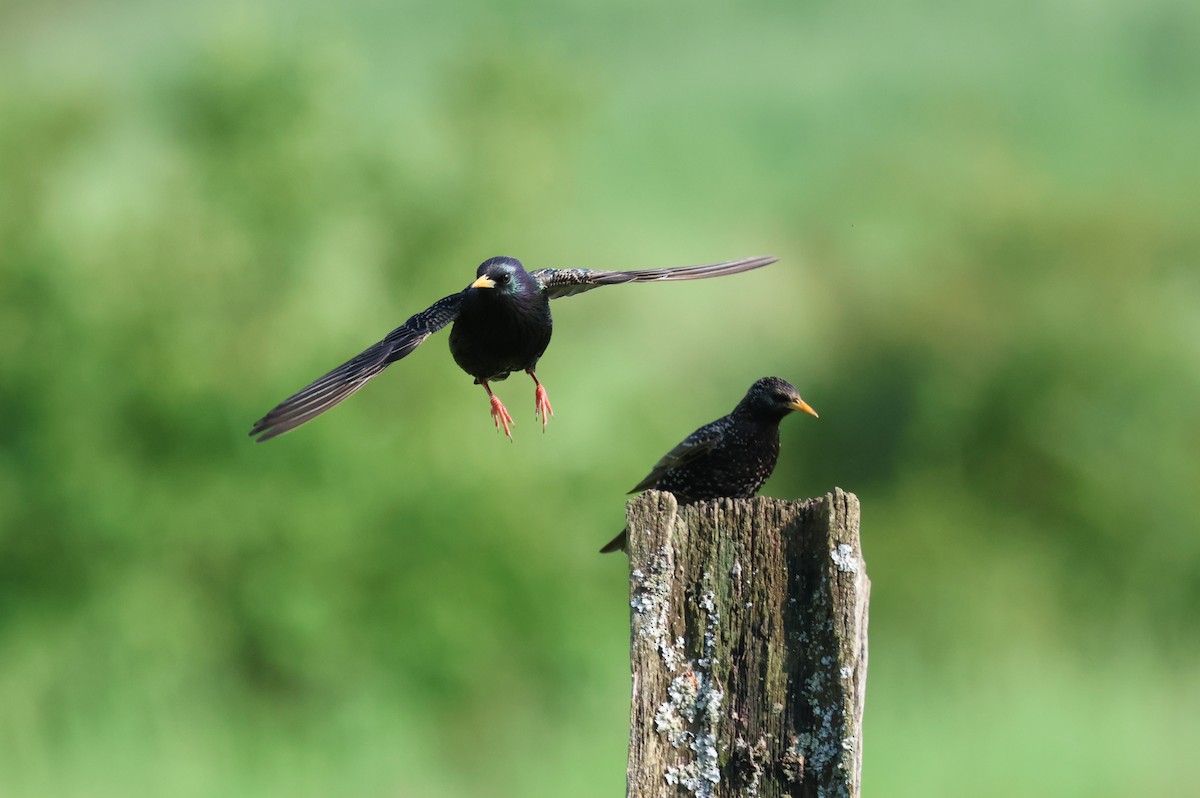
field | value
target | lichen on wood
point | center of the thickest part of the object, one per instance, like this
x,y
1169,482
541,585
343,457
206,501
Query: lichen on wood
x,y
748,647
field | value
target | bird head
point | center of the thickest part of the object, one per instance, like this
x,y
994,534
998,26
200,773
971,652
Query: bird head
x,y
772,398
503,274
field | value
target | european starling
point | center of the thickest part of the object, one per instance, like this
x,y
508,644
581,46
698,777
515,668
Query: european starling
x,y
729,458
501,323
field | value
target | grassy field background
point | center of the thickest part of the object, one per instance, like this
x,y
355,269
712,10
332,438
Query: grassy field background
x,y
986,219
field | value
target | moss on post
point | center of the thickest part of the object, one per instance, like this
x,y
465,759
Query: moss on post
x,y
748,647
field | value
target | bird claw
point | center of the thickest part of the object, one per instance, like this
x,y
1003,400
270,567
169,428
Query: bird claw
x,y
500,416
542,408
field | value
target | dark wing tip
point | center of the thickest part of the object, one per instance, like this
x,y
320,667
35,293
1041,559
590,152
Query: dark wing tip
x,y
323,394
266,428
696,272
319,396
265,432
745,264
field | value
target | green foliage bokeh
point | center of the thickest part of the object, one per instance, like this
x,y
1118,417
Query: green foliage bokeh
x,y
988,285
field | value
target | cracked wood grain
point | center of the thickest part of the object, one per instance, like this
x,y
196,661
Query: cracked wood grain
x,y
748,647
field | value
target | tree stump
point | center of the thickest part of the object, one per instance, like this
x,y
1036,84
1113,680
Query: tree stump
x,y
748,647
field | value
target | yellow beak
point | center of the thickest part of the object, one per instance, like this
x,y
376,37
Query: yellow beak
x,y
803,407
484,282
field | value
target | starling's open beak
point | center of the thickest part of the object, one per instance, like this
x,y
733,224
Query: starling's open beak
x,y
803,407
484,282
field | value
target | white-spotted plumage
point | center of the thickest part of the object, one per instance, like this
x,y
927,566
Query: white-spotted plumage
x,y
731,457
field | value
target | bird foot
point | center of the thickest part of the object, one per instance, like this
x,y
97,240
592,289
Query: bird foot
x,y
541,404
500,416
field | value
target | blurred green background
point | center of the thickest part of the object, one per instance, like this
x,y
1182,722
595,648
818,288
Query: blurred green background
x,y
986,219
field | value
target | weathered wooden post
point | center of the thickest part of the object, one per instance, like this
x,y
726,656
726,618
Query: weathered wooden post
x,y
748,647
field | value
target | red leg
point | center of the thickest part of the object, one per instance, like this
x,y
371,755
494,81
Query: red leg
x,y
541,402
500,416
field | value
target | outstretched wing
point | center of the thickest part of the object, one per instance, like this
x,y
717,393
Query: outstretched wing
x,y
315,399
691,447
565,282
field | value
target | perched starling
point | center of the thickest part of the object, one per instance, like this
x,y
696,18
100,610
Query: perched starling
x,y
501,323
729,458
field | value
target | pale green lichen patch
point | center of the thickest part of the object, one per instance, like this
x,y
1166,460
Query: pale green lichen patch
x,y
701,774
844,558
651,604
824,746
691,715
668,721
688,719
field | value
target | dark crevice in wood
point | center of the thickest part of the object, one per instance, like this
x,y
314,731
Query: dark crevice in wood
x,y
748,647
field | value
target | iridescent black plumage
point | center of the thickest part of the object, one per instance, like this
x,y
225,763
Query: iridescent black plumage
x,y
505,329
728,458
501,323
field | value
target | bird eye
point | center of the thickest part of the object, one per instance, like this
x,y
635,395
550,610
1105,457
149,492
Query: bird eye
x,y
502,277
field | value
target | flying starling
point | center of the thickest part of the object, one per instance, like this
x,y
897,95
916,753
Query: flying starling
x,y
501,324
729,458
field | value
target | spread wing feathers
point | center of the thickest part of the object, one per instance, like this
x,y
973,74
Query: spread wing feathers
x,y
314,399
565,282
690,448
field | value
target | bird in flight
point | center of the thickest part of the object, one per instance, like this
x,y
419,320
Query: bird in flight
x,y
502,324
728,458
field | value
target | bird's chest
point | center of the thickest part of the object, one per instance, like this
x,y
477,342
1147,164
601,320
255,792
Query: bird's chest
x,y
492,338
